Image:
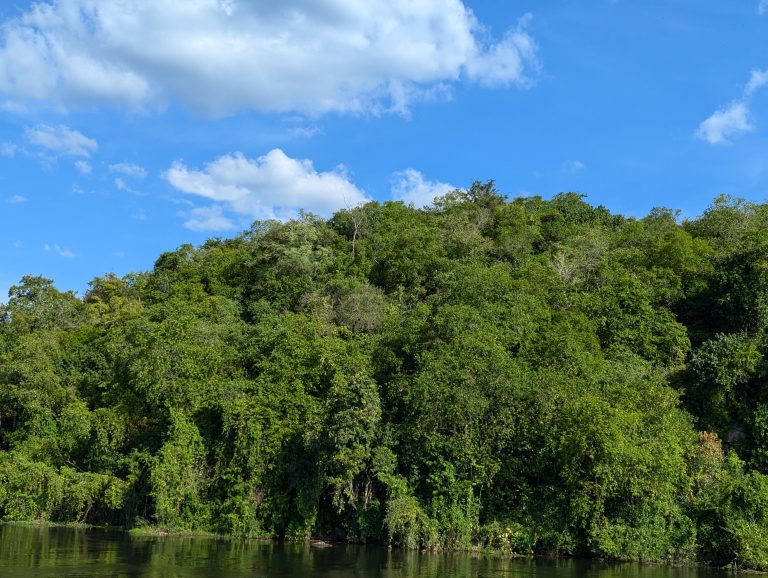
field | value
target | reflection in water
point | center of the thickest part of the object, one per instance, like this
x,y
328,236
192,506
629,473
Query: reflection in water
x,y
27,552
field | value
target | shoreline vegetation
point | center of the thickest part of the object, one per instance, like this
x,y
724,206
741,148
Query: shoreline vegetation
x,y
157,532
522,376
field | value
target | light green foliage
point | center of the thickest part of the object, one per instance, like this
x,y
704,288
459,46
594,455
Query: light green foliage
x,y
38,491
353,415
178,477
759,423
404,248
525,375
628,319
408,524
36,305
732,509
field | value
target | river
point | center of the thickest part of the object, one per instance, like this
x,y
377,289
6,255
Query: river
x,y
27,552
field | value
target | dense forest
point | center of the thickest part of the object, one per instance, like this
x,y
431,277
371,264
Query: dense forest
x,y
525,375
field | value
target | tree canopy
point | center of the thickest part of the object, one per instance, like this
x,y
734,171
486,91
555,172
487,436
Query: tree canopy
x,y
527,375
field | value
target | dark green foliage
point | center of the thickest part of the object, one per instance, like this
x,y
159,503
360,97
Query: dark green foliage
x,y
527,375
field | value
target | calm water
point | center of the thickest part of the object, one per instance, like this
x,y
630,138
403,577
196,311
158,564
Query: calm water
x,y
27,552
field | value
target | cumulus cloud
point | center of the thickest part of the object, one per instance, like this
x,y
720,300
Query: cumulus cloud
x,y
272,186
207,219
129,170
220,56
411,187
60,140
733,120
60,251
83,167
508,61
725,124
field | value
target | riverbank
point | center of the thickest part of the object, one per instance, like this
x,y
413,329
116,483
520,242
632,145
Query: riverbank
x,y
476,552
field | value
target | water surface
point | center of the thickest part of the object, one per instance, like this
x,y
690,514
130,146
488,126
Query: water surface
x,y
27,552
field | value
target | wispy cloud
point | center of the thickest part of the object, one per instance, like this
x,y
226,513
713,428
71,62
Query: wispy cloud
x,y
271,186
207,219
60,140
411,187
15,199
122,185
313,57
733,120
762,8
60,251
129,170
306,131
757,79
83,167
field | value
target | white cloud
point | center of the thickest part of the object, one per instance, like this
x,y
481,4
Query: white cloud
x,y
762,8
411,187
272,186
733,120
129,170
725,124
121,185
60,251
15,199
508,61
207,219
60,140
83,167
220,56
757,79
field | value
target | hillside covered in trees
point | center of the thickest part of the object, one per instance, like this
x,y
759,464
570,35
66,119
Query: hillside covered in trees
x,y
528,375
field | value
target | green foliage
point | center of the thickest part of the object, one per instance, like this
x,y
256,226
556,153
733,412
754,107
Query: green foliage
x,y
509,536
38,491
178,478
721,370
732,509
523,375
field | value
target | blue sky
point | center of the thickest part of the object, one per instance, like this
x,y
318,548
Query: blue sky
x,y
130,127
